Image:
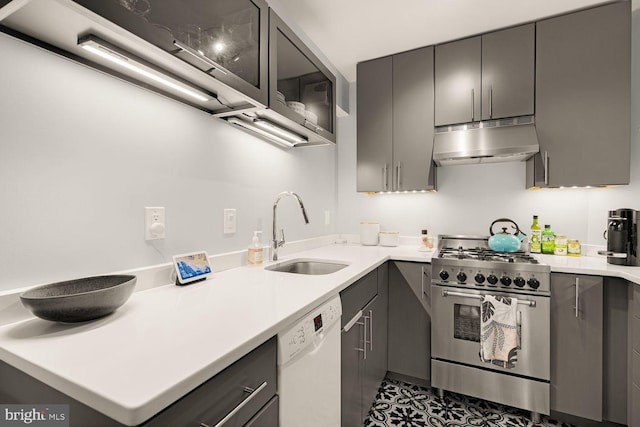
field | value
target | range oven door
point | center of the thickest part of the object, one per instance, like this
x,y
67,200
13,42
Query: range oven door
x,y
455,330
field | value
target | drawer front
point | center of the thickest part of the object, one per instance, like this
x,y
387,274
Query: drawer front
x,y
635,356
635,407
356,296
219,396
267,417
635,331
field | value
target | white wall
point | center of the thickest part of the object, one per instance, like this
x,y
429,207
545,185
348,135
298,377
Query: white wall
x,y
82,153
470,197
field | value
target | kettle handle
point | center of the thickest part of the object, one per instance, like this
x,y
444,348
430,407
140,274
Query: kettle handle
x,y
504,220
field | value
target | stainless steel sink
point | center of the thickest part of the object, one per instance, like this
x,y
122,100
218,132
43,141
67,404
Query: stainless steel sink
x,y
307,266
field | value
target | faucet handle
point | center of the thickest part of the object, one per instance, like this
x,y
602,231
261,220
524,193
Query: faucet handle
x,y
281,242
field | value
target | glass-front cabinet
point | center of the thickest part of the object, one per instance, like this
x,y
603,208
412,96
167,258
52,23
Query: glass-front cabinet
x,y
227,39
301,88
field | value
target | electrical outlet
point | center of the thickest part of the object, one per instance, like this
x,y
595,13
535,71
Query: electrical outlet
x,y
229,221
154,223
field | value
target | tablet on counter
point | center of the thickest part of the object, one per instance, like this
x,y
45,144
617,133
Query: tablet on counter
x,y
191,267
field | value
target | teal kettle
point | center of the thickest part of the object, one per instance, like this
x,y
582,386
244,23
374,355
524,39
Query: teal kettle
x,y
504,241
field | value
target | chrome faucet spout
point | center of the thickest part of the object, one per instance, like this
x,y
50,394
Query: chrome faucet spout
x,y
275,242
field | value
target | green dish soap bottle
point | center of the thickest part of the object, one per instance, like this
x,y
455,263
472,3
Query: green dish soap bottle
x,y
534,244
548,240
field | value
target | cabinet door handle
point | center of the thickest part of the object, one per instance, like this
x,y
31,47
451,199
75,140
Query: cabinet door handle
x,y
490,102
399,185
545,161
473,100
422,283
385,177
252,393
371,330
577,296
364,337
201,57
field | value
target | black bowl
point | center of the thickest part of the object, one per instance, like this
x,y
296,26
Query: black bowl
x,y
79,300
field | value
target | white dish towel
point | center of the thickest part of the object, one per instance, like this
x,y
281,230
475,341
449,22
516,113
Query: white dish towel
x,y
499,330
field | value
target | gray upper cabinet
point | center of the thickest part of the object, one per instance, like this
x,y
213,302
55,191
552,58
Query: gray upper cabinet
x,y
374,124
413,120
458,67
508,72
583,87
485,77
395,122
577,345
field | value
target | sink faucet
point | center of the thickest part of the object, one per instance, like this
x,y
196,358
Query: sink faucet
x,y
277,243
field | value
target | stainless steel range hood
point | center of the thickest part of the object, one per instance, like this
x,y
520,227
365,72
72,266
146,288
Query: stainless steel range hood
x,y
493,141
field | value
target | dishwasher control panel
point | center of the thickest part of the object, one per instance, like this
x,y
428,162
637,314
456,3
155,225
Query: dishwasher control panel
x,y
305,331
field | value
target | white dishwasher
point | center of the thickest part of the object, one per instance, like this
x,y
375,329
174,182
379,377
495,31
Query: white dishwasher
x,y
309,369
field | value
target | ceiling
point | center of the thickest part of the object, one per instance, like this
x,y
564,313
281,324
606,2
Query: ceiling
x,y
350,31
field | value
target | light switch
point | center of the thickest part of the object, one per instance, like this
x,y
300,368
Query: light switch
x,y
229,221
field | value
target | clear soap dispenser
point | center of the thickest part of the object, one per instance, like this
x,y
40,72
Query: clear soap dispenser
x,y
255,252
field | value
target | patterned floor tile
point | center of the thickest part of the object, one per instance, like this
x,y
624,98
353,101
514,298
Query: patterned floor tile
x,y
400,404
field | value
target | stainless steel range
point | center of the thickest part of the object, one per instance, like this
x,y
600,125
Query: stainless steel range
x,y
464,270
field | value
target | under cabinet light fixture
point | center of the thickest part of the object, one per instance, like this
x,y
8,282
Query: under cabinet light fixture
x,y
269,131
111,53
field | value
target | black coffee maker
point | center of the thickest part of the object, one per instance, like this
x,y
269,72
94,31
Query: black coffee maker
x,y
622,237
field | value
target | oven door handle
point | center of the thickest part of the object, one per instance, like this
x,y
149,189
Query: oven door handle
x,y
446,292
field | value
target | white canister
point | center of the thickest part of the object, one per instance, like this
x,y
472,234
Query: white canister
x,y
369,233
389,238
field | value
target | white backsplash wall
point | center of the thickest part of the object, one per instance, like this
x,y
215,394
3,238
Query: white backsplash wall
x,y
82,153
471,197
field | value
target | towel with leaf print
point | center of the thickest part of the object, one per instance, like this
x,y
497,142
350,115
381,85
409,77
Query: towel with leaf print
x,y
499,330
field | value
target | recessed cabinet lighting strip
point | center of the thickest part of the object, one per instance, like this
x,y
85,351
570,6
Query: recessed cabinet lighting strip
x,y
269,131
105,50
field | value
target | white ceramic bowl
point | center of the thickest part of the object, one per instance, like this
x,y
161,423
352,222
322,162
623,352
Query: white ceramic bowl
x,y
389,238
298,107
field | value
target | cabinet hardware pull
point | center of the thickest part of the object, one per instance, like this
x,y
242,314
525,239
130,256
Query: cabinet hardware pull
x,y
545,161
200,56
446,293
398,176
252,394
364,337
385,177
490,102
422,296
473,100
352,322
577,296
371,330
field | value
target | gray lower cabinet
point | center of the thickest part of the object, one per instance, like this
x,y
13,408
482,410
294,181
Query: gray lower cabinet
x,y
410,319
395,122
634,357
238,386
577,345
583,104
364,346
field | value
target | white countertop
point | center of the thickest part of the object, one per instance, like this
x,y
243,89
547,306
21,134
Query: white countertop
x,y
166,341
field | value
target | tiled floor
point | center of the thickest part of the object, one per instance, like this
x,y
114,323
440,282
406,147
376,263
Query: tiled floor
x,y
406,405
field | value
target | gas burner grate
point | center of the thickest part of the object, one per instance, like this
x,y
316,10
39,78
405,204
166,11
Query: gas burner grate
x,y
484,254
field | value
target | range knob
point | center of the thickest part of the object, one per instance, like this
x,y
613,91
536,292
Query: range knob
x,y
492,279
518,281
444,274
479,278
533,283
462,277
505,280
